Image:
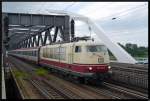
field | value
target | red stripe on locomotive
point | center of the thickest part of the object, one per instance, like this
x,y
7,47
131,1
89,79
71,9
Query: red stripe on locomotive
x,y
78,67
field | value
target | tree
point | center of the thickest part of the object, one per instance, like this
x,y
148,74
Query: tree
x,y
134,50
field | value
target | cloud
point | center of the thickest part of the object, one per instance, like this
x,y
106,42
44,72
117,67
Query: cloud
x,y
130,25
99,10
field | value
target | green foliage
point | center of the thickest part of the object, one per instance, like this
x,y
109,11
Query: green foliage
x,y
41,72
21,74
132,49
112,57
135,51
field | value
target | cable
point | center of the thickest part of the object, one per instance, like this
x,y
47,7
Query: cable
x,y
131,10
69,6
125,11
41,7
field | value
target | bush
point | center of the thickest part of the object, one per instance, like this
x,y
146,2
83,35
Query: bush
x,y
21,74
41,72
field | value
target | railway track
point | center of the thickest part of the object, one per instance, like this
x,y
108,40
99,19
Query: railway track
x,y
125,91
116,92
107,89
132,87
77,89
50,89
24,91
46,90
102,91
62,90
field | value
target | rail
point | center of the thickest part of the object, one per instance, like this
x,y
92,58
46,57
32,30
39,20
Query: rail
x,y
106,89
126,91
47,92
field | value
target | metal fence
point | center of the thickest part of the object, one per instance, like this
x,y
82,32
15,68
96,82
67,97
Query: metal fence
x,y
131,74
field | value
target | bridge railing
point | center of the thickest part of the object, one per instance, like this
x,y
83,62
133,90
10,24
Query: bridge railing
x,y
131,74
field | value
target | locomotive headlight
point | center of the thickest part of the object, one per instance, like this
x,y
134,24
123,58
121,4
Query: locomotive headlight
x,y
90,68
109,67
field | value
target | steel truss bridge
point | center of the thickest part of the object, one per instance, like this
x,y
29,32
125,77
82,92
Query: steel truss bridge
x,y
26,30
22,30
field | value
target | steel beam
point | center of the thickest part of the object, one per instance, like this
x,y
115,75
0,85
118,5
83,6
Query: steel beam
x,y
36,19
55,34
19,23
72,29
49,36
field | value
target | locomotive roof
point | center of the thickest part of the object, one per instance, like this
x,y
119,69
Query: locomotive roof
x,y
89,42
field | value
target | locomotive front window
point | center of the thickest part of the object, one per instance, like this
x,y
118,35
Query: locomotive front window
x,y
96,48
78,49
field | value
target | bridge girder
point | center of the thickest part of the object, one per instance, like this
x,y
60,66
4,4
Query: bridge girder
x,y
25,30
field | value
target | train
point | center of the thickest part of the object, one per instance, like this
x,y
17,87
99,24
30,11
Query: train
x,y
87,61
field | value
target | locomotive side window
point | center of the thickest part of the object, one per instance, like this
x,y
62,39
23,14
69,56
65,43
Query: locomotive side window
x,y
54,53
36,53
57,53
50,52
30,53
44,52
33,53
78,49
62,53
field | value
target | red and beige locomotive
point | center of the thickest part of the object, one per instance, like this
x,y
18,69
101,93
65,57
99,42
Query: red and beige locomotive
x,y
87,61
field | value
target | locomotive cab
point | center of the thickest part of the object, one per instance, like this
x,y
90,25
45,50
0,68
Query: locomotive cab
x,y
92,58
90,53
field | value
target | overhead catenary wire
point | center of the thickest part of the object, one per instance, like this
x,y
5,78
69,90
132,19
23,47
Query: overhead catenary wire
x,y
65,9
125,11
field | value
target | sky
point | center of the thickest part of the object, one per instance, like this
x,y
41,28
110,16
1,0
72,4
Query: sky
x,y
129,26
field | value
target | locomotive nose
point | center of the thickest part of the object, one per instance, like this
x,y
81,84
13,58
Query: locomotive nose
x,y
99,68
